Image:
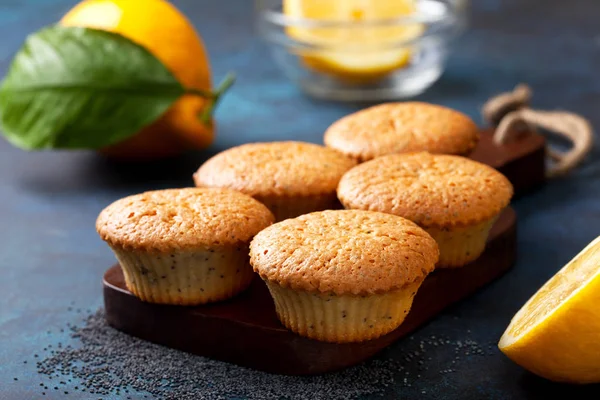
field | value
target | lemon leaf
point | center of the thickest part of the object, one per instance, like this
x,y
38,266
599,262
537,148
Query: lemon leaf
x,y
73,87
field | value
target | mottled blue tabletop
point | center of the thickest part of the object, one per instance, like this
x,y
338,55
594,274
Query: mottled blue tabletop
x,y
52,259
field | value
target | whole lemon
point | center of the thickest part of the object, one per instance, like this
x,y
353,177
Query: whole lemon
x,y
162,29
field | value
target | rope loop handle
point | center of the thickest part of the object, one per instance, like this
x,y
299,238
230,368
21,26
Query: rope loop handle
x,y
511,112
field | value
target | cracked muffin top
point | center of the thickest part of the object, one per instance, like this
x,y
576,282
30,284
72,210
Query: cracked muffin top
x,y
180,219
433,190
402,127
275,168
344,252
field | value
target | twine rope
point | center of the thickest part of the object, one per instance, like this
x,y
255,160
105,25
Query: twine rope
x,y
510,112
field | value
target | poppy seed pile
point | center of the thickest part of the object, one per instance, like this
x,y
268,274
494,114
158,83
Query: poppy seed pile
x,y
111,362
106,362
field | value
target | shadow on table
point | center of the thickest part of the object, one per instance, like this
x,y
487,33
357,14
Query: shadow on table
x,y
86,173
176,170
535,387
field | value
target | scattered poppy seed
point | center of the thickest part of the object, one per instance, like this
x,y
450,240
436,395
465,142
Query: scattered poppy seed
x,y
104,363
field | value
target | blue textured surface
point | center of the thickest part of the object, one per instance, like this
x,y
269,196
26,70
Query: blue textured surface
x,y
51,257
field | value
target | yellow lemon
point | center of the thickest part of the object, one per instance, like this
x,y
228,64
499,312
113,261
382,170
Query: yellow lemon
x,y
556,334
348,50
169,36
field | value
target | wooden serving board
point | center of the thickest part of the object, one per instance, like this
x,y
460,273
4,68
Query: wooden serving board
x,y
522,161
245,330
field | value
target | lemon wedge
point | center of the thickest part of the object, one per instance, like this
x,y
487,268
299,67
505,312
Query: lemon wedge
x,y
355,53
556,334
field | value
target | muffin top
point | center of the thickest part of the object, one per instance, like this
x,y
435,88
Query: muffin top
x,y
276,168
182,219
402,127
344,252
433,190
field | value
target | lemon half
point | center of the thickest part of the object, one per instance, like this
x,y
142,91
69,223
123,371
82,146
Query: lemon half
x,y
556,334
359,53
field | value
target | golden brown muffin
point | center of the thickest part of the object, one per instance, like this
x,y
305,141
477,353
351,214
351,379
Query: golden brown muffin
x,y
290,178
184,246
343,275
402,127
456,200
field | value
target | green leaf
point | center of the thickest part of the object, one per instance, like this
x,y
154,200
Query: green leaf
x,y
72,87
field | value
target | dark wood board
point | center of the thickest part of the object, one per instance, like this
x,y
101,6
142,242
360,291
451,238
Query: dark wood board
x,y
245,329
522,161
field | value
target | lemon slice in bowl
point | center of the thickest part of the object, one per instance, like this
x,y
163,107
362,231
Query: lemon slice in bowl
x,y
556,334
351,44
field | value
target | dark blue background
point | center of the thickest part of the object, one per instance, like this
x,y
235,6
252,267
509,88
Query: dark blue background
x,y
51,256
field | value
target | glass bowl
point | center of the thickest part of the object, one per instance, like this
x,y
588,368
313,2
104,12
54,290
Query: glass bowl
x,y
363,60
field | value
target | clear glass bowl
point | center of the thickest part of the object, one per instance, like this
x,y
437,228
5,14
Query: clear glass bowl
x,y
391,59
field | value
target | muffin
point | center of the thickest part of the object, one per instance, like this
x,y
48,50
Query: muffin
x,y
456,200
184,246
290,178
343,275
402,127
